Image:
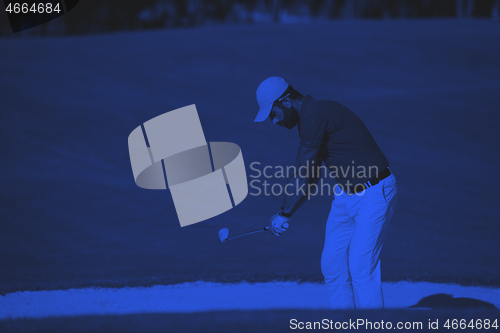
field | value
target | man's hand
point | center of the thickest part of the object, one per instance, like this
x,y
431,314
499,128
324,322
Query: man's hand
x,y
278,224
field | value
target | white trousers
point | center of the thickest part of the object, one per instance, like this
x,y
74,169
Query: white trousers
x,y
355,232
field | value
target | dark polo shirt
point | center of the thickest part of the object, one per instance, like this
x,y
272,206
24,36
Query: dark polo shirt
x,y
345,144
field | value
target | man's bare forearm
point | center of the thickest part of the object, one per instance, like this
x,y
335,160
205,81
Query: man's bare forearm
x,y
298,187
296,194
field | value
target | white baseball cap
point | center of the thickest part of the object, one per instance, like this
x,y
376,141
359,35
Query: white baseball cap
x,y
267,93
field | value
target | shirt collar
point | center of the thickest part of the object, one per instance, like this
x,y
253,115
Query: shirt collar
x,y
306,104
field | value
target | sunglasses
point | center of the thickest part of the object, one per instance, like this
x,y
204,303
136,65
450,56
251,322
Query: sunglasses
x,y
272,114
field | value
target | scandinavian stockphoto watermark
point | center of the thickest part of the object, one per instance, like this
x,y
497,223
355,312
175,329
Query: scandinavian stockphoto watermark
x,y
273,184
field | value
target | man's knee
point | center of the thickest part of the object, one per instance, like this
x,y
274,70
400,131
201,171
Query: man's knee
x,y
328,269
331,269
360,271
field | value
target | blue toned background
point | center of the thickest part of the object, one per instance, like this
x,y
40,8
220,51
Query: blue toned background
x,y
71,215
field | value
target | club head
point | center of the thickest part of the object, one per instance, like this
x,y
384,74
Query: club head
x,y
223,234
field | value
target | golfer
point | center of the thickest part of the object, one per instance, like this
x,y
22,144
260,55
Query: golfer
x,y
365,190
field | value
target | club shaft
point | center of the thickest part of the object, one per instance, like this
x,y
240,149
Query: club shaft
x,y
248,233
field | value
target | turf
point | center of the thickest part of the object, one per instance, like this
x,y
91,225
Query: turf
x,y
71,215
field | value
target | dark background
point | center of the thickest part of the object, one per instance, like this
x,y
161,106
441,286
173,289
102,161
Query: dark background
x,y
72,216
71,91
96,16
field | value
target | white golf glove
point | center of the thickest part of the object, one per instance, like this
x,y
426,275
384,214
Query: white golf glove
x,y
278,224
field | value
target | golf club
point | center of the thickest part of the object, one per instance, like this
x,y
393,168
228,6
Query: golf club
x,y
224,233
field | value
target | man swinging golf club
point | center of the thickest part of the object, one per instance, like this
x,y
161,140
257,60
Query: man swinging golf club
x,y
363,203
